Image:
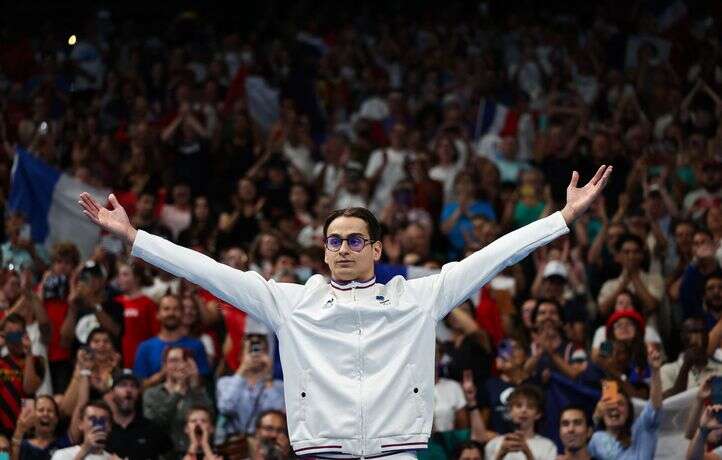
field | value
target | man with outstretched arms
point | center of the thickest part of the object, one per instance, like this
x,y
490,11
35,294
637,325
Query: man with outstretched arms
x,y
357,355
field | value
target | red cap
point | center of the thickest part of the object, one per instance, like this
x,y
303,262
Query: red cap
x,y
631,314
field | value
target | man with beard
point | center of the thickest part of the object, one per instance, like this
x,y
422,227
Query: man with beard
x,y
149,356
692,366
574,431
133,436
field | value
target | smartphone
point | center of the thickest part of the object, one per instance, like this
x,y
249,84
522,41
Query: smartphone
x,y
27,402
99,422
610,390
716,396
606,349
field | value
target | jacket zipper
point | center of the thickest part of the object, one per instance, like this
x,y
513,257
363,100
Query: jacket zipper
x,y
361,376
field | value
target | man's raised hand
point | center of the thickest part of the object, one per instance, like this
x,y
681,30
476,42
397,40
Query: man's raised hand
x,y
580,198
114,220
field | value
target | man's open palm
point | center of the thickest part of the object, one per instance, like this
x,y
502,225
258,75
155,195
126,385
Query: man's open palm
x,y
114,220
580,198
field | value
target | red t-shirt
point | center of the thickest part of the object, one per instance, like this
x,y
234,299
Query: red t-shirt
x,y
57,310
235,322
140,323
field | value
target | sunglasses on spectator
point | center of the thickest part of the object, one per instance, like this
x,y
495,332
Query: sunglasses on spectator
x,y
355,242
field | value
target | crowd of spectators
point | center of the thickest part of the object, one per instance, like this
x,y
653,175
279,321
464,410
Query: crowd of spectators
x,y
454,126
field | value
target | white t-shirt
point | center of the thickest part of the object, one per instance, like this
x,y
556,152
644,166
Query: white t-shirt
x,y
69,453
175,219
393,173
448,398
541,448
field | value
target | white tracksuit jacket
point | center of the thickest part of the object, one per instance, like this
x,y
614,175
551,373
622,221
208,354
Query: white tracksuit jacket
x,y
358,358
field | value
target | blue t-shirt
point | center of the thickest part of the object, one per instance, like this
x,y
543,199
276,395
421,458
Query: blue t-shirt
x,y
464,225
644,439
149,356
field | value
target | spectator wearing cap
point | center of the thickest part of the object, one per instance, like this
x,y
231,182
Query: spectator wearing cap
x,y
510,358
132,436
625,301
149,357
21,373
91,305
167,404
555,280
648,287
625,359
250,390
692,366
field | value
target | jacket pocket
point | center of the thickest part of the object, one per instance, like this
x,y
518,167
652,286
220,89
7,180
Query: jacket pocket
x,y
417,390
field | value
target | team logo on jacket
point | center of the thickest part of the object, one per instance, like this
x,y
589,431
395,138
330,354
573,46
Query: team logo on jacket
x,y
382,300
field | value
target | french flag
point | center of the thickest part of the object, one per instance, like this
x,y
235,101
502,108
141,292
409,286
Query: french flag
x,y
48,199
495,118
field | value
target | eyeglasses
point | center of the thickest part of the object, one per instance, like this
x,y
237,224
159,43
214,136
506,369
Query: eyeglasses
x,y
355,242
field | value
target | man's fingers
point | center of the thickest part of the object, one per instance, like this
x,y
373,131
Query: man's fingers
x,y
114,201
89,203
599,174
575,179
91,217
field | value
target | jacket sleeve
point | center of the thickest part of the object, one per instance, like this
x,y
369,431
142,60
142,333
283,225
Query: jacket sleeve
x,y
458,280
267,301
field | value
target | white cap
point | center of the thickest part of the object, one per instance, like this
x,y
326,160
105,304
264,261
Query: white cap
x,y
554,267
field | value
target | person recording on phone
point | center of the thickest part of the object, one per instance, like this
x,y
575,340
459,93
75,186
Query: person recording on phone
x,y
21,373
621,436
251,390
94,425
704,424
357,354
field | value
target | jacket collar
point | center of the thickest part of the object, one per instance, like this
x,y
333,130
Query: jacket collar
x,y
354,284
